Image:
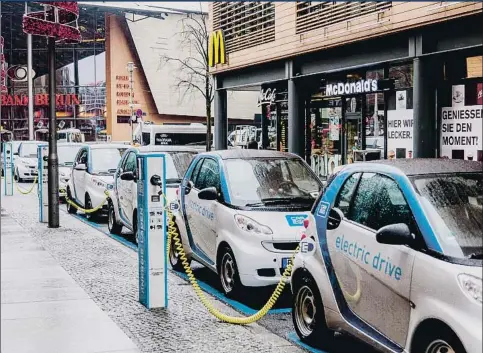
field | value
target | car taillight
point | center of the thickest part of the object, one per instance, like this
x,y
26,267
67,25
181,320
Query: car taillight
x,y
306,223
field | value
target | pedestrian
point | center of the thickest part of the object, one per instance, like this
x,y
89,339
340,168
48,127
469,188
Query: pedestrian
x,y
252,145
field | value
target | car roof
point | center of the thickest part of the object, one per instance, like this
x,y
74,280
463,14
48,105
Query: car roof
x,y
164,148
239,153
71,144
107,145
424,166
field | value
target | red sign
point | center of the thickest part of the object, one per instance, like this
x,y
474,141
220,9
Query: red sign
x,y
39,100
479,93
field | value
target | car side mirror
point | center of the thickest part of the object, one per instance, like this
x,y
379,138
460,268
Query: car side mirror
x,y
189,185
395,234
208,194
335,217
128,176
80,167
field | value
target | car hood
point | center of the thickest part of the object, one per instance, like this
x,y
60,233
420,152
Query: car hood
x,y
109,179
30,160
286,226
65,170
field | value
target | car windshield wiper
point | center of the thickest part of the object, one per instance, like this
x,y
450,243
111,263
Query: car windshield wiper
x,y
275,200
478,256
255,204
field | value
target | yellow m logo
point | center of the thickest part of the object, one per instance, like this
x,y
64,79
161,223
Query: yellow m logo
x,y
216,49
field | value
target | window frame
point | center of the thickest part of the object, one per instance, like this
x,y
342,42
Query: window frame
x,y
208,159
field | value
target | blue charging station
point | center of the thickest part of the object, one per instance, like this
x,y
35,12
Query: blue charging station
x,y
42,189
152,236
8,168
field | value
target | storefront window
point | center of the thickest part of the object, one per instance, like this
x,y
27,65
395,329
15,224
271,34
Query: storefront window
x,y
80,76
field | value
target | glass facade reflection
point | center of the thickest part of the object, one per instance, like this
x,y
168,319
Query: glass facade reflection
x,y
80,76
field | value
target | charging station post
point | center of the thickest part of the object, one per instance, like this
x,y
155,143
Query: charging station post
x,y
42,158
8,168
151,216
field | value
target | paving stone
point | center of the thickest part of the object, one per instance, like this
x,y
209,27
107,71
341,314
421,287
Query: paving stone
x,y
108,272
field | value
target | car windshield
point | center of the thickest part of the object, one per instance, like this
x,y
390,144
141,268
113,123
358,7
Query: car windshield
x,y
105,160
177,165
269,181
67,154
28,150
454,205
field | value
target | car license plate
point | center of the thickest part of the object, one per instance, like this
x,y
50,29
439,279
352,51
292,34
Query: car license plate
x,y
285,262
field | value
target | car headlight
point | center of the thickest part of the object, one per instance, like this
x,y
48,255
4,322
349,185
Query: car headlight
x,y
472,286
249,225
62,174
110,186
100,183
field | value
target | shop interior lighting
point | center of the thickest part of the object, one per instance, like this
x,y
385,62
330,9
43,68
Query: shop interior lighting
x,y
443,5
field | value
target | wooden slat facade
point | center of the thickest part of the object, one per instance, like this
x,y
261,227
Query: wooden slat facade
x,y
258,32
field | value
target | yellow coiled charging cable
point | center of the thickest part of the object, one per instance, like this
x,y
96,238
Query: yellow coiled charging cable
x,y
173,234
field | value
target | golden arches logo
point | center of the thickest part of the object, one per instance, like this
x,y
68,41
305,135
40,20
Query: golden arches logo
x,y
216,49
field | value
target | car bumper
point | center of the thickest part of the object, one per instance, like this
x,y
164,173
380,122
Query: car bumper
x,y
259,267
98,198
25,172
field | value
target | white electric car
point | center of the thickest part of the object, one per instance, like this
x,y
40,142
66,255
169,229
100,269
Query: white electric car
x,y
93,174
123,200
25,163
241,213
393,256
66,153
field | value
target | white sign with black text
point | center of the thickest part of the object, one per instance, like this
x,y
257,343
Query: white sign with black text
x,y
461,131
400,133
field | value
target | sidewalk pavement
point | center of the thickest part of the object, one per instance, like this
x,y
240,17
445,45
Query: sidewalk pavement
x,y
43,309
107,274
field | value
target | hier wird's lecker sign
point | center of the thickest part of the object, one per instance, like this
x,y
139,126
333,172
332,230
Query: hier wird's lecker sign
x,y
216,49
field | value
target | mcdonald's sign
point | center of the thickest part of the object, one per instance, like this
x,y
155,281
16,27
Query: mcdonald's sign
x,y
216,49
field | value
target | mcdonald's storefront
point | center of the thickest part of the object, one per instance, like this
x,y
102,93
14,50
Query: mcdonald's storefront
x,y
380,98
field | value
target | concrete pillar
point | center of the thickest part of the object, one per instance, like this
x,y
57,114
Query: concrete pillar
x,y
426,76
221,120
296,120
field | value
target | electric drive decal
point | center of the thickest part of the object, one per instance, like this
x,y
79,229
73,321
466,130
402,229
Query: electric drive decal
x,y
296,220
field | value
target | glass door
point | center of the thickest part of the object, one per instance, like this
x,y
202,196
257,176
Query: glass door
x,y
353,128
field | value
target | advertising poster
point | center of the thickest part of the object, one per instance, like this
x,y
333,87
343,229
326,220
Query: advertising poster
x,y
400,133
400,100
461,132
479,93
334,123
458,96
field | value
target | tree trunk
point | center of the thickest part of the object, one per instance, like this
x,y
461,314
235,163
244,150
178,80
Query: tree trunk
x,y
208,126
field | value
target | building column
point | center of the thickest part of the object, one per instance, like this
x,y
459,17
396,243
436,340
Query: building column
x,y
296,120
426,76
221,120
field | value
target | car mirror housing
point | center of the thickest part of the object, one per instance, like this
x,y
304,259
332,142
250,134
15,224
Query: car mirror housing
x,y
80,167
128,176
208,194
395,234
335,217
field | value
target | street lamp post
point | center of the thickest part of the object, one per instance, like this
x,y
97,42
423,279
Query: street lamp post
x,y
130,70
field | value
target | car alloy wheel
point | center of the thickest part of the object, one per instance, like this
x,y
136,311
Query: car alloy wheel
x,y
439,346
228,273
305,310
110,218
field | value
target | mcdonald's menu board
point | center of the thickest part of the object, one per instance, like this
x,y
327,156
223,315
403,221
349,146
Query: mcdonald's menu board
x,y
282,126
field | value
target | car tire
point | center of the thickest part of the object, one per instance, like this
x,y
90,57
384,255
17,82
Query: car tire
x,y
174,259
17,177
112,224
91,216
308,315
70,209
436,339
228,273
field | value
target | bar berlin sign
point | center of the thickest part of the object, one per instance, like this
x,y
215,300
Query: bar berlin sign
x,y
39,99
361,86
